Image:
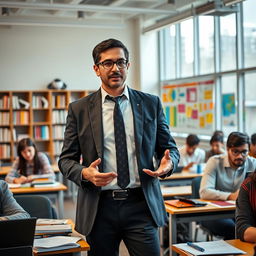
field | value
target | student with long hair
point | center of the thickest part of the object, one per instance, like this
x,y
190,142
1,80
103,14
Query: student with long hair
x,y
29,162
246,210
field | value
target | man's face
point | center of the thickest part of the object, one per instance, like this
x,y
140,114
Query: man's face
x,y
112,78
217,147
237,155
191,149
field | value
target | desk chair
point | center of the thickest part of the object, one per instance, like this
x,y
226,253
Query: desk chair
x,y
195,186
37,206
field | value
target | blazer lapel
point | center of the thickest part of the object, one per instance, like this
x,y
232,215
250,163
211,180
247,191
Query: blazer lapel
x,y
138,115
95,115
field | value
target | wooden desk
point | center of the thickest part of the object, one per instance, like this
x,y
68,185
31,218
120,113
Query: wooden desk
x,y
176,191
55,191
205,213
84,246
247,247
180,179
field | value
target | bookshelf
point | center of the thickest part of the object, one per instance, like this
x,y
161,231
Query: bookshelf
x,y
40,115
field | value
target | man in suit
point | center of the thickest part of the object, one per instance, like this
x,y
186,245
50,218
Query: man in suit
x,y
119,196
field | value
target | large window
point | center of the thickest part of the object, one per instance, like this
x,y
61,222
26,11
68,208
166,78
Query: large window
x,y
228,42
187,46
206,44
249,33
207,48
250,103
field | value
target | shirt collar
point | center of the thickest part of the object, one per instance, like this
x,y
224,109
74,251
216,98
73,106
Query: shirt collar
x,y
104,94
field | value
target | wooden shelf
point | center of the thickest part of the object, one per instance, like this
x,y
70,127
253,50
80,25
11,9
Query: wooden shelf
x,y
37,109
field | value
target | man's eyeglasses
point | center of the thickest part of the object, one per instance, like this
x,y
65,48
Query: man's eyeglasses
x,y
236,152
108,64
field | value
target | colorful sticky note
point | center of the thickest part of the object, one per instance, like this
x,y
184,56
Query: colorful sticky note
x,y
181,108
202,121
209,118
208,95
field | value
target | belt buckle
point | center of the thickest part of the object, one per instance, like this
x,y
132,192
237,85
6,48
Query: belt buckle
x,y
120,194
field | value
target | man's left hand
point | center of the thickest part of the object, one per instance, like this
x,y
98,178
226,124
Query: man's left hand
x,y
164,168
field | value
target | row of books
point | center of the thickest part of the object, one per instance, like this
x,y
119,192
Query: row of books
x,y
58,131
5,135
41,132
18,103
5,102
5,151
59,116
20,117
59,101
4,118
39,102
57,147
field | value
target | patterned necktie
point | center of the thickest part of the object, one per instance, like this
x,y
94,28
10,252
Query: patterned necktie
x,y
123,178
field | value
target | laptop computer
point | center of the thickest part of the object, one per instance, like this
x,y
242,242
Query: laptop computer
x,y
17,236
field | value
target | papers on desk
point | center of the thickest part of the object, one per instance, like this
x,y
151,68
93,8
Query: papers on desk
x,y
223,203
211,248
41,184
53,229
56,243
51,221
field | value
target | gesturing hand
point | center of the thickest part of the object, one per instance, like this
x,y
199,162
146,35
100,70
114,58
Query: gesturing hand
x,y
97,178
165,166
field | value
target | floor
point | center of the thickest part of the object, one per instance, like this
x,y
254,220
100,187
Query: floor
x,y
69,213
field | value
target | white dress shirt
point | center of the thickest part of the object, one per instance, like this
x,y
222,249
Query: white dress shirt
x,y
109,164
198,157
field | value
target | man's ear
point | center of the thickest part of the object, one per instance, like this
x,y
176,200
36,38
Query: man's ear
x,y
96,69
128,65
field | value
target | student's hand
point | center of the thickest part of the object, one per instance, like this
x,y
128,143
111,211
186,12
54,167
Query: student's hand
x,y
22,179
165,166
233,196
97,178
190,165
30,178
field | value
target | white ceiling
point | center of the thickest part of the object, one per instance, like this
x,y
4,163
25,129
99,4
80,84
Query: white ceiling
x,y
95,13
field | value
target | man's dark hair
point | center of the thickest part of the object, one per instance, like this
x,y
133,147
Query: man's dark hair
x,y
105,45
219,132
192,140
237,139
253,139
216,138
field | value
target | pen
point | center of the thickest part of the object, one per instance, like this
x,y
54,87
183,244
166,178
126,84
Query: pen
x,y
196,247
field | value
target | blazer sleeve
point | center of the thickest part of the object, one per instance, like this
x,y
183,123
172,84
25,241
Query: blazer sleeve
x,y
69,162
10,209
165,140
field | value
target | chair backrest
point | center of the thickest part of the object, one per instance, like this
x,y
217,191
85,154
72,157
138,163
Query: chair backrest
x,y
195,186
37,206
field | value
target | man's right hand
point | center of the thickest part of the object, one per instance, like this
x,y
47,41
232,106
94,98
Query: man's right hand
x,y
99,179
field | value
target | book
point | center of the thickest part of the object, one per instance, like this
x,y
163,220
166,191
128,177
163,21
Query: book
x,y
223,203
56,243
184,202
51,221
53,229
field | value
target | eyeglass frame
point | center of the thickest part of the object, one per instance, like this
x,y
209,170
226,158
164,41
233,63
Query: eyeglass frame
x,y
113,63
244,153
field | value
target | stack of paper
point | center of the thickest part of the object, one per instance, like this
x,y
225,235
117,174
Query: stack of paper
x,y
55,243
211,248
51,221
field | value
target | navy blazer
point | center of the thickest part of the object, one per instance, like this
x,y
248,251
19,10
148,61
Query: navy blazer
x,y
84,137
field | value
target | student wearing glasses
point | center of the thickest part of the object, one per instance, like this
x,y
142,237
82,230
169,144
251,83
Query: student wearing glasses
x,y
223,176
118,131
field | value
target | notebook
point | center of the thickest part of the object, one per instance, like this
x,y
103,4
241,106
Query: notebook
x,y
183,203
17,233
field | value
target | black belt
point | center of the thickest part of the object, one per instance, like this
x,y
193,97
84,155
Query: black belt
x,y
121,194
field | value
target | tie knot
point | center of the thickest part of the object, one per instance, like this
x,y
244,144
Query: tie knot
x,y
115,99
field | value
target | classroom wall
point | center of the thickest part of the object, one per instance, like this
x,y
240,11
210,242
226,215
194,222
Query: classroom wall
x,y
32,56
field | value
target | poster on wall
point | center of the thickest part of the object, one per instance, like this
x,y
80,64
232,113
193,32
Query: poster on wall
x,y
228,109
189,106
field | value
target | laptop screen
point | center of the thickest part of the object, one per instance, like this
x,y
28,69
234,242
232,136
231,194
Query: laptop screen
x,y
18,232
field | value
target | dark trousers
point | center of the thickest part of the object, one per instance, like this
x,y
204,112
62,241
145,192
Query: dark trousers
x,y
222,227
128,220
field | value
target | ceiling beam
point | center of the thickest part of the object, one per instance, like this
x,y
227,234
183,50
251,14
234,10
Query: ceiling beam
x,y
87,8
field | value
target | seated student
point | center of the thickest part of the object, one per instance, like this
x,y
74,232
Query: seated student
x,y
253,146
223,176
246,210
190,154
9,208
217,146
29,162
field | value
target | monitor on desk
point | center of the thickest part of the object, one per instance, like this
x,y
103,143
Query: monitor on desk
x,y
17,236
